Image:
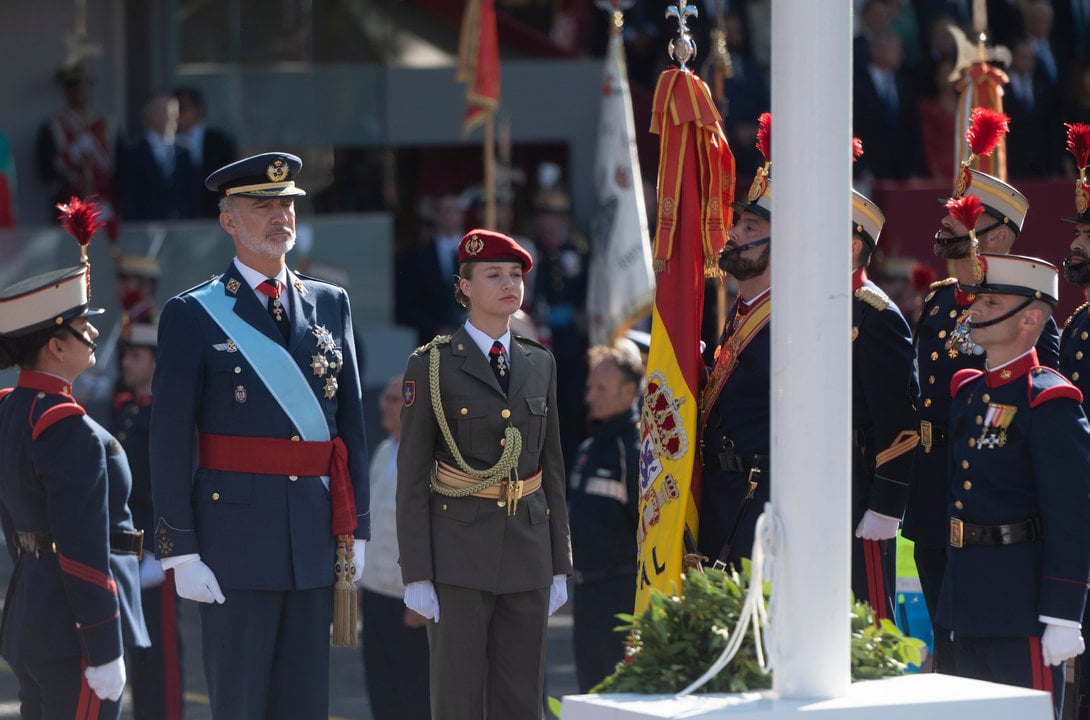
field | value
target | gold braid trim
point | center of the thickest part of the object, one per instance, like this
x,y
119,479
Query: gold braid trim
x,y
870,297
905,441
504,467
1078,310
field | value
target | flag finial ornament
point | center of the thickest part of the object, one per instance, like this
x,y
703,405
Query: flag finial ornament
x,y
683,47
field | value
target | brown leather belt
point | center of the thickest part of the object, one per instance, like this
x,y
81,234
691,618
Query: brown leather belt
x,y
122,542
963,533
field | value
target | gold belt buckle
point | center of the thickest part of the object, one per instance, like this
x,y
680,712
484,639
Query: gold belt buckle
x,y
956,536
514,493
925,433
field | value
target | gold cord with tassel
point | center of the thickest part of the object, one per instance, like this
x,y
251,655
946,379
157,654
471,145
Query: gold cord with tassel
x,y
345,610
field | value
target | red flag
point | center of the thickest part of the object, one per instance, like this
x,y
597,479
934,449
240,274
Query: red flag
x,y
696,187
479,62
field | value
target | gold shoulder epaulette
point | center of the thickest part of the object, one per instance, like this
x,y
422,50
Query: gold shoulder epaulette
x,y
943,283
1078,310
876,300
437,341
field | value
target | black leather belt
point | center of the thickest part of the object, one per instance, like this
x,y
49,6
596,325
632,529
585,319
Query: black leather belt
x,y
963,533
122,542
729,461
932,435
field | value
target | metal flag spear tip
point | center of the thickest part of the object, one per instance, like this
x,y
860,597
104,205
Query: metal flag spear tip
x,y
683,47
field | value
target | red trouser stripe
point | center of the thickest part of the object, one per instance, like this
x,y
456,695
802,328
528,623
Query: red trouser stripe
x,y
1041,673
876,580
88,706
172,671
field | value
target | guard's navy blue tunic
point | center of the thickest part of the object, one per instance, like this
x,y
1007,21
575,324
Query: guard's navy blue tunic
x,y
66,476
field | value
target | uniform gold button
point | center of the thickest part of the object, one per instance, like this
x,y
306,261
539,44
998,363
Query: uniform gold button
x,y
41,396
1084,335
295,438
985,398
958,505
444,506
942,334
237,370
953,314
215,496
979,420
934,356
503,442
465,411
1078,355
927,402
964,464
972,442
501,503
121,436
547,512
505,414
967,485
931,380
1075,375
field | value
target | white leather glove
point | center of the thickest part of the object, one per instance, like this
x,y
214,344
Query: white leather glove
x,y
420,597
876,526
558,593
107,681
358,558
1061,642
196,581
151,573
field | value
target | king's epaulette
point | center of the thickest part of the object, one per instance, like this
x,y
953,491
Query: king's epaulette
x,y
437,341
1071,318
943,283
49,410
962,378
875,299
1048,384
529,341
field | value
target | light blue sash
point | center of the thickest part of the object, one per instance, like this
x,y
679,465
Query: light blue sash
x,y
272,363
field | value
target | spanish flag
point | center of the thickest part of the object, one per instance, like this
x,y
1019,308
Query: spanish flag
x,y
980,86
695,190
479,62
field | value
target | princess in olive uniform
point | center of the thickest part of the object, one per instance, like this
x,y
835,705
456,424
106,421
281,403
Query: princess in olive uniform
x,y
481,519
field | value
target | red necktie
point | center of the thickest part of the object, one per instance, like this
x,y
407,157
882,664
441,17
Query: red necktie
x,y
273,289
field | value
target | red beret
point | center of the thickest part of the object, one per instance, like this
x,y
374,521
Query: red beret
x,y
481,245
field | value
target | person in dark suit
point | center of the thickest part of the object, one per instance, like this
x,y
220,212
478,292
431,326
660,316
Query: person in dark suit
x,y
885,424
735,424
482,525
256,381
425,272
209,148
942,349
1032,103
1075,365
73,602
886,119
155,172
155,672
1019,496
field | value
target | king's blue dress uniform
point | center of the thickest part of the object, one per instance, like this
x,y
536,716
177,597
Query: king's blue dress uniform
x,y
885,424
266,535
925,521
75,602
1019,457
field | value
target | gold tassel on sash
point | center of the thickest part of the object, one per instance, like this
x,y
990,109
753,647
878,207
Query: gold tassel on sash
x,y
344,595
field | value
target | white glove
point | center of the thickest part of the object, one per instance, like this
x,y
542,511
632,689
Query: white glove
x,y
196,581
420,597
108,681
151,573
876,526
558,593
358,558
1061,642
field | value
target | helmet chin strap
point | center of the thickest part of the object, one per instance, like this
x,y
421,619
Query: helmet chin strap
x,y
742,248
958,238
1001,318
81,337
